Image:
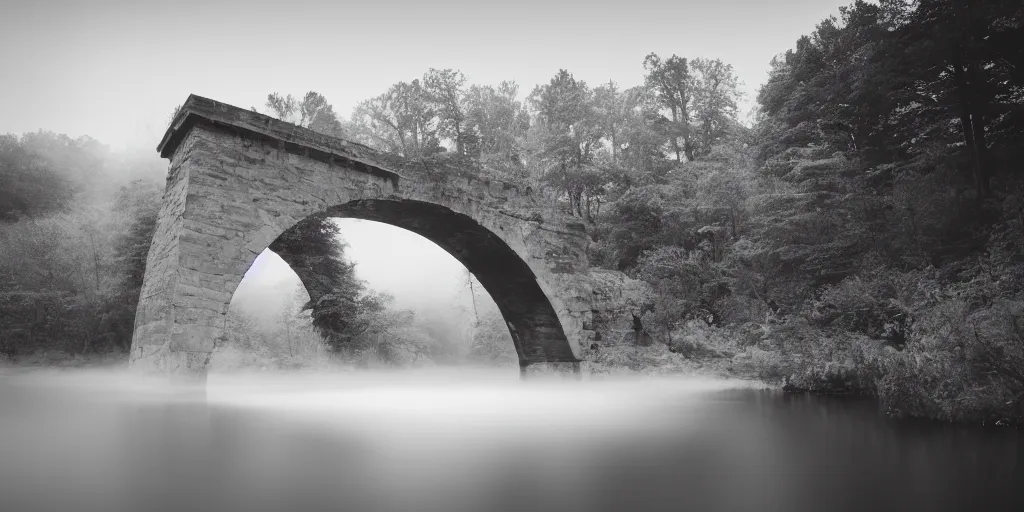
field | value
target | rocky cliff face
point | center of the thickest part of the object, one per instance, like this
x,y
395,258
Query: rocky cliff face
x,y
608,305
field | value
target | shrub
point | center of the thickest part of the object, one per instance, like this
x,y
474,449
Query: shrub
x,y
873,306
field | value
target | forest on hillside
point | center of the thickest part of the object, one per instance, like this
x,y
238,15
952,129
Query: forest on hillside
x,y
863,235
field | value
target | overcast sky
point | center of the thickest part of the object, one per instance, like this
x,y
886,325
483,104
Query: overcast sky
x,y
115,70
390,259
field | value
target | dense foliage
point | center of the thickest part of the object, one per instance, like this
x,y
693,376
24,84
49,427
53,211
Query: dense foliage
x,y
891,237
864,235
75,225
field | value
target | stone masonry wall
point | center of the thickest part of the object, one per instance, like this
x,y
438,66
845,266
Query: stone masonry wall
x,y
228,198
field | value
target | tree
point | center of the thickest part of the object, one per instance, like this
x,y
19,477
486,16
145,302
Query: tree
x,y
499,123
338,301
642,138
41,172
725,181
670,78
610,107
688,286
715,93
445,90
966,58
138,201
288,341
402,121
313,112
569,135
284,108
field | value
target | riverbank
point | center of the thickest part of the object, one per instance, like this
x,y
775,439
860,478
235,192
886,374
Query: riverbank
x,y
919,381
659,359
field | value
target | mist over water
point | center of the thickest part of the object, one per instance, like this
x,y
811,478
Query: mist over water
x,y
474,440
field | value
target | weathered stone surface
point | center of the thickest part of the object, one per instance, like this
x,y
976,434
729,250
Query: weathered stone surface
x,y
551,371
238,179
604,306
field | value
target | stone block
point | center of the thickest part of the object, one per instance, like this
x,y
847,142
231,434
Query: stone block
x,y
194,338
152,333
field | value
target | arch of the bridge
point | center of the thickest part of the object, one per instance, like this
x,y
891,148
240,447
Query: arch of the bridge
x,y
237,180
533,323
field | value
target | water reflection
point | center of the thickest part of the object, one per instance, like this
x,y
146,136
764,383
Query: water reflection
x,y
478,441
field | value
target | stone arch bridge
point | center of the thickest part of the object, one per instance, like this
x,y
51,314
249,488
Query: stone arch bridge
x,y
238,179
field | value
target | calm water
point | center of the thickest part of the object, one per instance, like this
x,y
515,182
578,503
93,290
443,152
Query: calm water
x,y
468,441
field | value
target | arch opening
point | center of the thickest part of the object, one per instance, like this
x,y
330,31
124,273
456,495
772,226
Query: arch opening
x,y
534,326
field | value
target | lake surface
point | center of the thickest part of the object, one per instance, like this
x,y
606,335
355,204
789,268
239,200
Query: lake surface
x,y
456,441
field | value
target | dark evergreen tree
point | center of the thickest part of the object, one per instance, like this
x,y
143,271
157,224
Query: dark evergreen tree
x,y
340,305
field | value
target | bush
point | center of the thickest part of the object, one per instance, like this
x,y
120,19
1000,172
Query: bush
x,y
771,366
686,285
837,363
699,341
873,305
965,366
962,356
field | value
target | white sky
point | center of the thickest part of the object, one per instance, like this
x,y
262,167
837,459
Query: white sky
x,y
394,261
115,69
391,259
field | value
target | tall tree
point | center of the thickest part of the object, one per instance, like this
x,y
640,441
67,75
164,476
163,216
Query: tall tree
x,y
966,55
641,136
498,122
671,79
445,90
313,112
715,94
403,121
570,135
338,300
610,106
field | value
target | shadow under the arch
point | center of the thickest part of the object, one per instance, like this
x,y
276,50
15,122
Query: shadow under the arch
x,y
536,331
